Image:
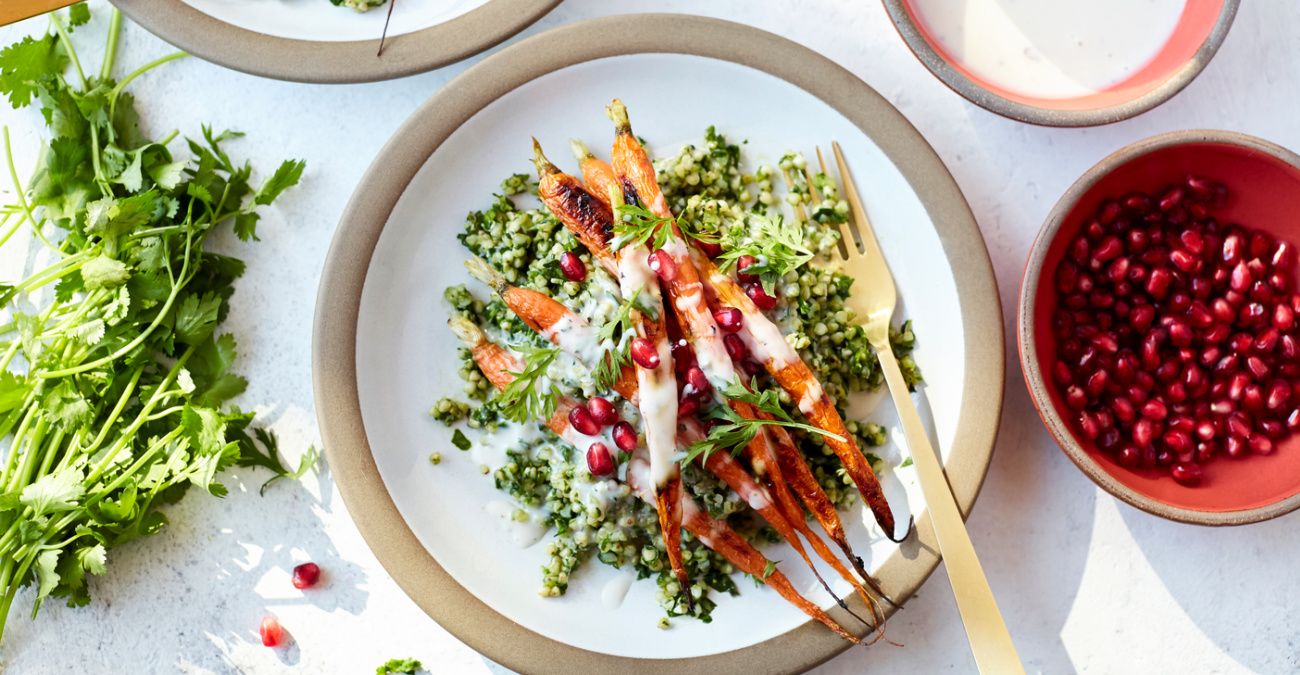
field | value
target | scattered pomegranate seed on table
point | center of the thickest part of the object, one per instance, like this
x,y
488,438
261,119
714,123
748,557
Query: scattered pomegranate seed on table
x,y
306,575
1175,339
271,631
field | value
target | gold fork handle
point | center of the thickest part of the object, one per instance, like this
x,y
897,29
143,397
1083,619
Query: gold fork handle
x,y
989,640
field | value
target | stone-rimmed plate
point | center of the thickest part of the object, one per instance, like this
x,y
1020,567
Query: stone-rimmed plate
x,y
312,41
382,353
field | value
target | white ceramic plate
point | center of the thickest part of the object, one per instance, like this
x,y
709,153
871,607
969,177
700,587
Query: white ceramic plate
x,y
314,41
384,354
320,21
406,357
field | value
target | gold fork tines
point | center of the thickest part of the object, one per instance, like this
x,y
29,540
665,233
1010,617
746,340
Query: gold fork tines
x,y
874,299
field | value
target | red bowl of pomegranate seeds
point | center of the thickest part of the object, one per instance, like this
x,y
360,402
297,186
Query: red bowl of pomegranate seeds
x,y
1159,326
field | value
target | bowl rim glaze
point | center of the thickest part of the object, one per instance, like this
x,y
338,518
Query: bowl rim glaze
x,y
954,79
1034,378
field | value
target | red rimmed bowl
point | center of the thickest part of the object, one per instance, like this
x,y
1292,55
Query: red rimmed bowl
x,y
1264,186
1193,41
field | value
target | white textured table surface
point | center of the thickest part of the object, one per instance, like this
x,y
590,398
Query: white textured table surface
x,y
1086,583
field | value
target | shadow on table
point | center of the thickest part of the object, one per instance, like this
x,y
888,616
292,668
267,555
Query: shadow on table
x,y
1220,577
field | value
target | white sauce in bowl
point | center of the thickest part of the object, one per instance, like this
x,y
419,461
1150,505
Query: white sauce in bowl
x,y
1055,49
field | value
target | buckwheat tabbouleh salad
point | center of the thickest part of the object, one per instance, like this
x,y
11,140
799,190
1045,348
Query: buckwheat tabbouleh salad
x,y
721,302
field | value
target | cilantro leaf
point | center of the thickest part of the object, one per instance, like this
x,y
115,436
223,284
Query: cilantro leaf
x,y
396,666
197,317
54,492
25,63
104,272
459,440
285,177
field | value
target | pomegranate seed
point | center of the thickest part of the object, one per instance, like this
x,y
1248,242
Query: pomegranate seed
x,y
1201,189
1239,424
1138,241
1293,420
736,348
1171,199
1144,432
709,248
1267,340
1079,251
1200,316
1155,409
1096,384
1187,474
1261,445
572,267
1184,261
1137,203
1076,398
728,319
1180,334
602,411
1108,440
1283,317
1067,276
644,353
1109,249
663,265
1284,256
271,631
1158,283
687,406
1177,441
1260,245
599,461
1272,428
582,421
1129,457
1061,373
1257,367
760,296
1241,279
1088,425
306,575
1123,409
743,263
696,379
1108,212
1205,430
625,436
1235,446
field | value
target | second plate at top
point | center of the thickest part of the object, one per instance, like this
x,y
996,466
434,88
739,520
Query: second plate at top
x,y
313,41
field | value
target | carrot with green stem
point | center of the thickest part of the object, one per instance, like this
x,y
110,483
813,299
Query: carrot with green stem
x,y
498,364
587,217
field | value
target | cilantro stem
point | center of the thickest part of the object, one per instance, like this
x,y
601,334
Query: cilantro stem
x,y
54,272
112,95
117,411
18,186
14,228
67,44
139,339
110,49
129,433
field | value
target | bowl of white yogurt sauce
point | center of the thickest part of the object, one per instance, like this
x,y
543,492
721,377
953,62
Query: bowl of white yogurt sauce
x,y
1063,62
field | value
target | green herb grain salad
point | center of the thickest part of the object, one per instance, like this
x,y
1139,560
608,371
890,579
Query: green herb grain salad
x,y
114,375
657,361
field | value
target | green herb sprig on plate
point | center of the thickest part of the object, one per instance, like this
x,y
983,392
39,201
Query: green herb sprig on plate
x,y
735,432
114,380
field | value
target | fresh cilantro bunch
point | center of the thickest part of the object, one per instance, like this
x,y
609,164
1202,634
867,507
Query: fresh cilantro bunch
x,y
113,376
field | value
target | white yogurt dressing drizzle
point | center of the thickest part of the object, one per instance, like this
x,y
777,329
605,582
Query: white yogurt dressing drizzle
x,y
658,390
615,590
523,533
491,450
577,338
811,395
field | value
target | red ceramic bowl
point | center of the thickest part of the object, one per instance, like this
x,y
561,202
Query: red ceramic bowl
x,y
1264,180
1196,37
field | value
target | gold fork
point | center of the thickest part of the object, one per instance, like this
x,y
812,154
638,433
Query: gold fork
x,y
874,299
